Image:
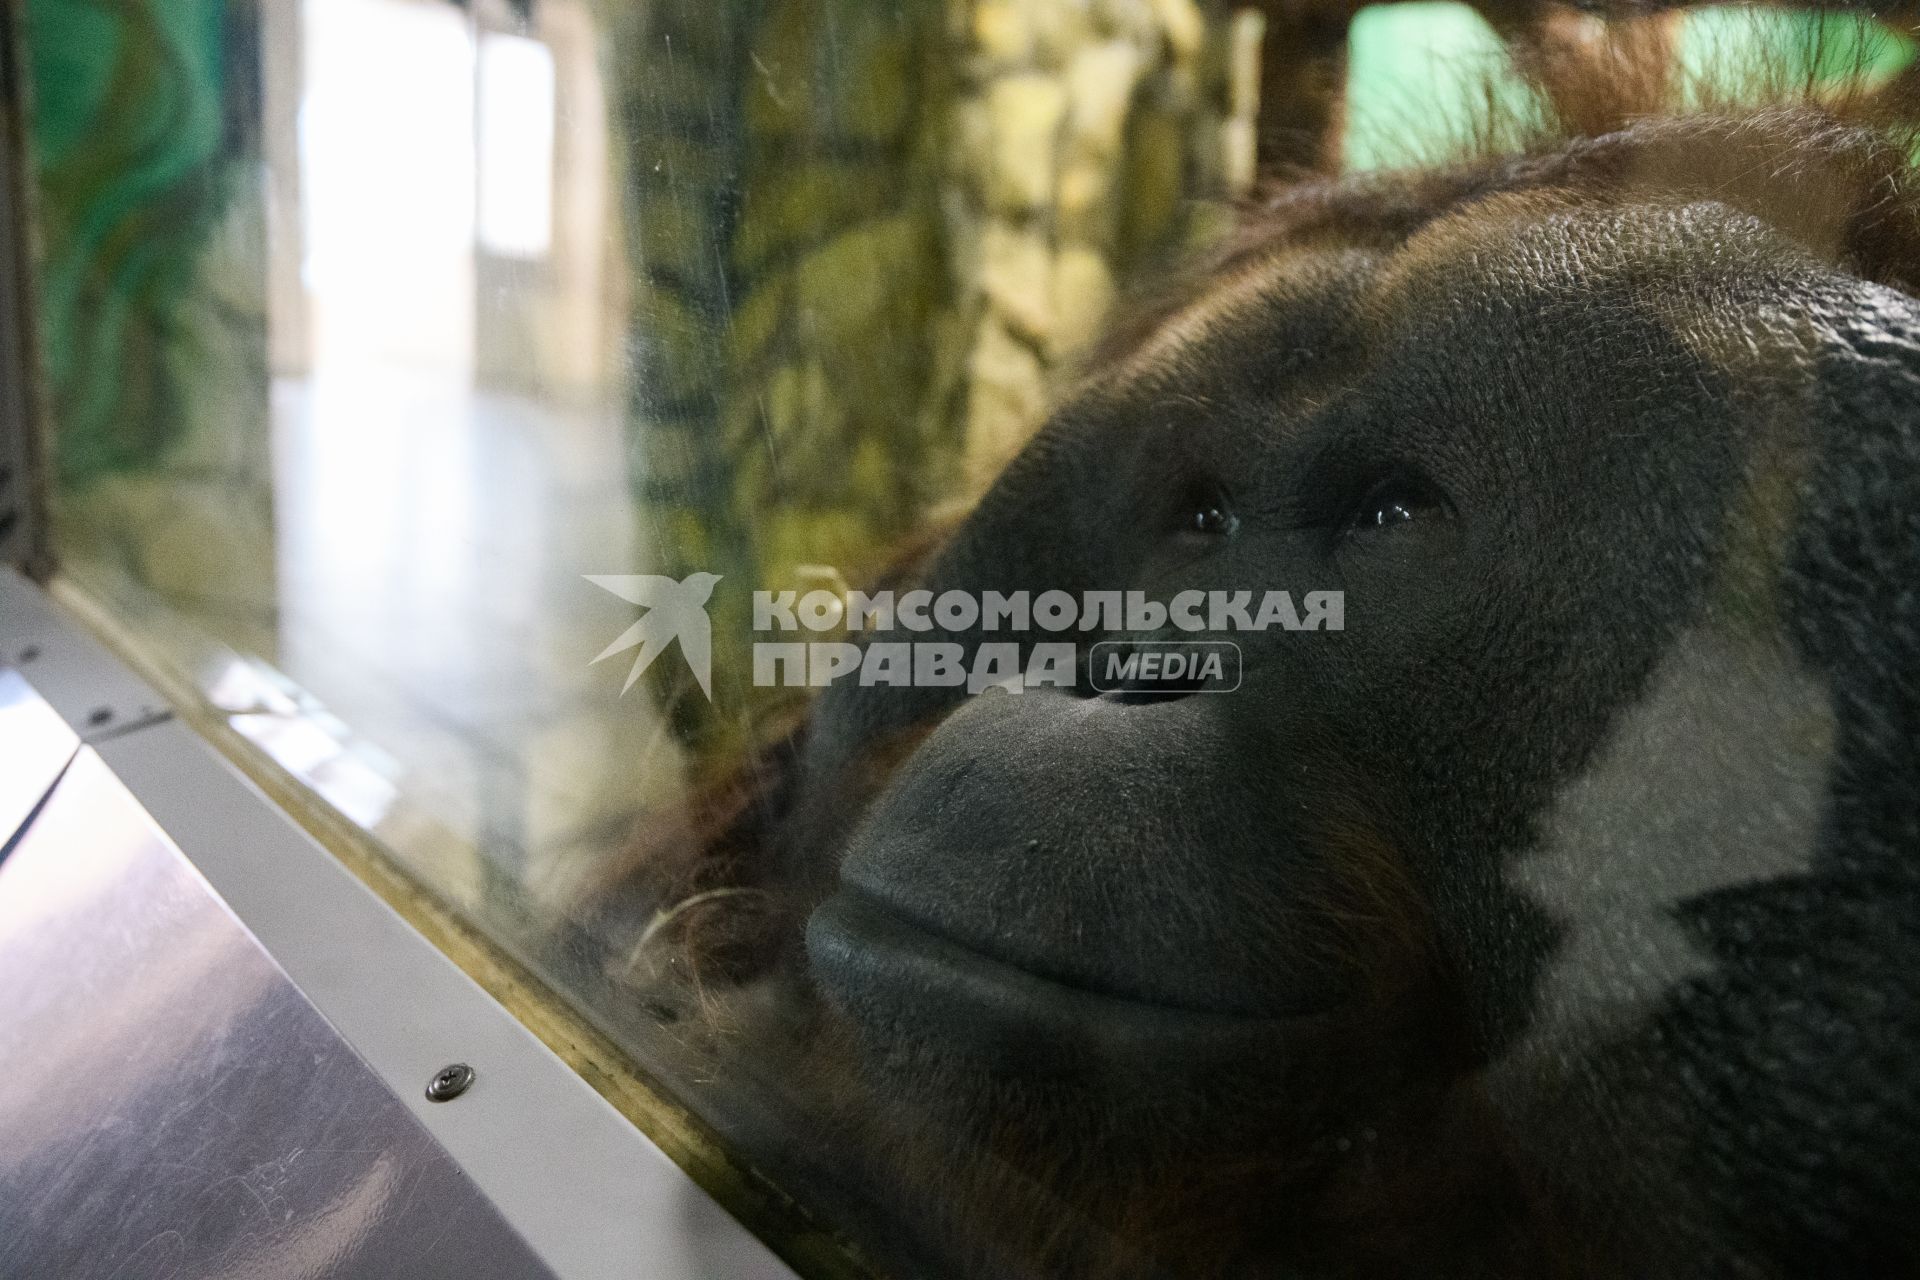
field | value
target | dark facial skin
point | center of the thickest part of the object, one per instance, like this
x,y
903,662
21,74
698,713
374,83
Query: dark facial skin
x,y
1539,920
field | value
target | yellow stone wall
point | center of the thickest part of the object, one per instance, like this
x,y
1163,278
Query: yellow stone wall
x,y
866,238
1083,132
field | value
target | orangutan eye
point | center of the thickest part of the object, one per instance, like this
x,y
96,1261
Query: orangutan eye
x,y
1395,501
1213,520
1390,511
1205,511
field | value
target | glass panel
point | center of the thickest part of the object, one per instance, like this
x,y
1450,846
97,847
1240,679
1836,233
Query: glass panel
x,y
394,345
490,411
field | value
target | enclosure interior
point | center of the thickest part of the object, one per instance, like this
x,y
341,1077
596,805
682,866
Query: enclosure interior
x,y
371,332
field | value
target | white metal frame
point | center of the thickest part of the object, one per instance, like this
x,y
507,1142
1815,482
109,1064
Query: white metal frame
x,y
592,1195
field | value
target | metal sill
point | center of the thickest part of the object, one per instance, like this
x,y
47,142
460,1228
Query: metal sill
x,y
563,1171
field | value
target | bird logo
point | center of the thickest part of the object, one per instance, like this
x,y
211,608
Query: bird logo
x,y
675,610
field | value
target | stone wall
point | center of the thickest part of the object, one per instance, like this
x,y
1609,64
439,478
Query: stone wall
x,y
1082,134
866,237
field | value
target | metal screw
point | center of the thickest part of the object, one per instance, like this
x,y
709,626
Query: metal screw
x,y
450,1082
99,716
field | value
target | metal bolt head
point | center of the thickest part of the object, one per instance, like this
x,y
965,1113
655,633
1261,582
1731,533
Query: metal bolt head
x,y
450,1082
99,716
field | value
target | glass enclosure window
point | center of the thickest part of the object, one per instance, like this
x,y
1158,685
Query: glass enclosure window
x,y
378,330
396,351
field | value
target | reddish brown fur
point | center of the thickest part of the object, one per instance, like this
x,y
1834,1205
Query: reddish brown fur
x,y
1835,174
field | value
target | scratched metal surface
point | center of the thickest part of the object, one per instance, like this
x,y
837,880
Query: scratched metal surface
x,y
171,1106
35,745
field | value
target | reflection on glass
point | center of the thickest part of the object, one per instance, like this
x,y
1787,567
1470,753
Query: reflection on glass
x,y
515,136
378,327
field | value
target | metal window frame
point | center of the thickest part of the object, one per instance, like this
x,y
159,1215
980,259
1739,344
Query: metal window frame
x,y
592,1196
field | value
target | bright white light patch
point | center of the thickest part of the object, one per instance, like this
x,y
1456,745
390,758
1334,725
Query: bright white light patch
x,y
516,124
